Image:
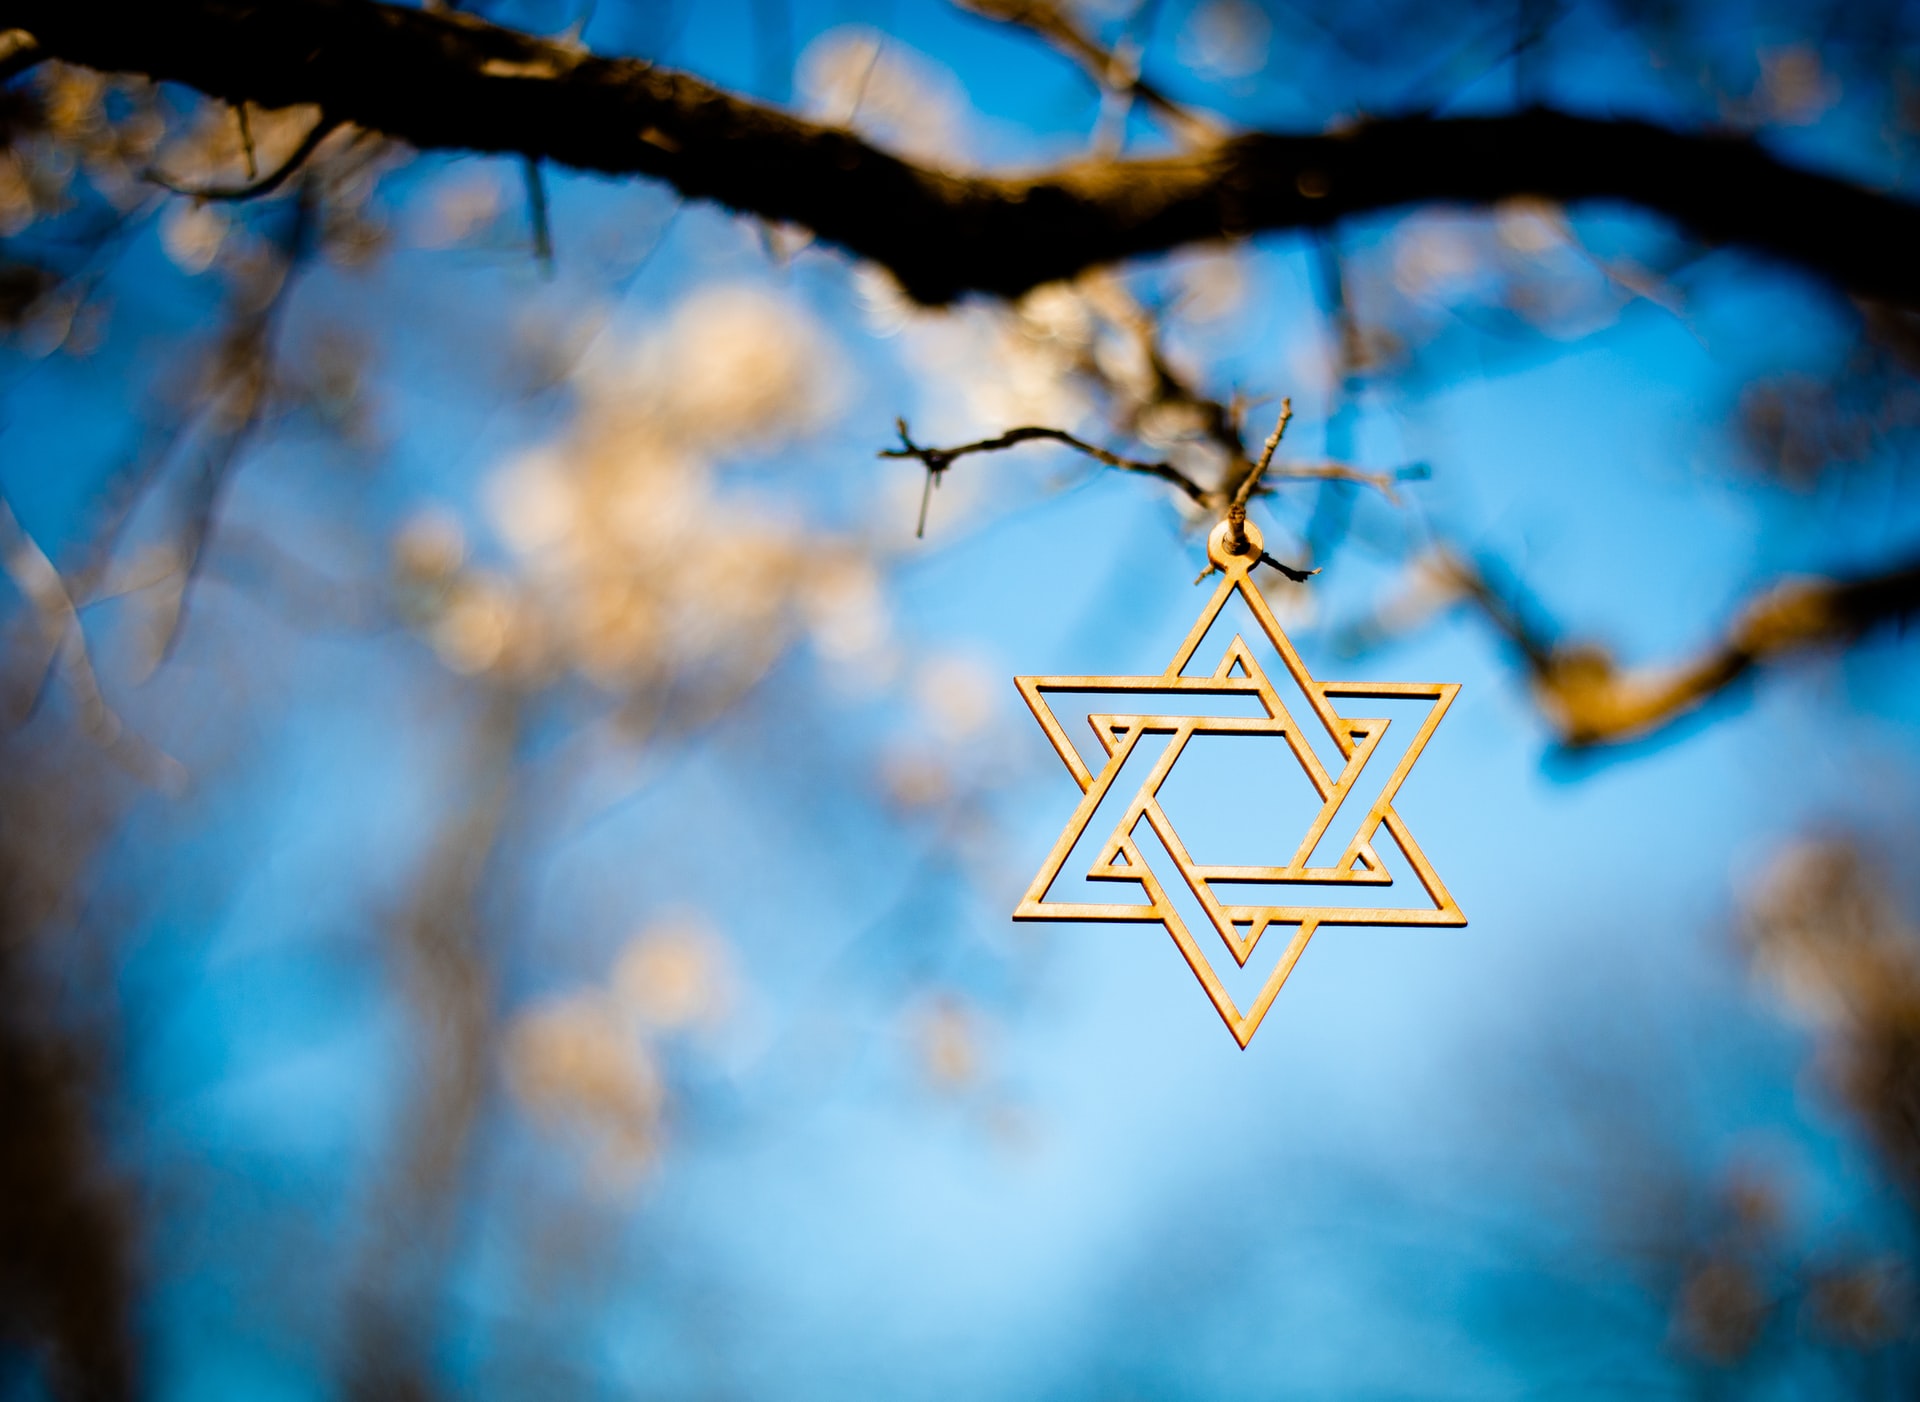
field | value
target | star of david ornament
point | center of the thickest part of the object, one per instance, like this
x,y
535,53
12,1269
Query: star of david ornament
x,y
1240,925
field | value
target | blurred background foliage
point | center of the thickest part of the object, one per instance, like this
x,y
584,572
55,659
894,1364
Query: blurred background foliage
x,y
506,834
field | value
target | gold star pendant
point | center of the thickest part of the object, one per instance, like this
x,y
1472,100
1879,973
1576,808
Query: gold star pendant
x,y
1237,675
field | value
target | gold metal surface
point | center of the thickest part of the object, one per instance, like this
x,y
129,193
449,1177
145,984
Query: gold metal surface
x,y
1238,674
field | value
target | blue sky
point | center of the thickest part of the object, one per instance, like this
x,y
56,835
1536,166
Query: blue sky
x,y
1409,1185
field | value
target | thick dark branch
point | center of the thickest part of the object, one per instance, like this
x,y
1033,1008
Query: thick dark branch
x,y
446,81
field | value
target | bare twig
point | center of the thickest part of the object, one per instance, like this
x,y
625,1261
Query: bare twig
x,y
36,577
1113,71
1237,506
1298,576
1293,572
938,460
537,211
1219,422
249,357
245,123
1381,482
266,184
1252,479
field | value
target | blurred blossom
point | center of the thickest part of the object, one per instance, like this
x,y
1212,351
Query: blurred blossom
x,y
860,78
1753,1201
191,233
739,366
50,326
1532,226
631,566
1000,368
460,207
1226,39
1435,257
16,195
1313,367
947,1039
533,504
1795,88
675,975
884,305
1824,928
1565,308
914,778
72,98
1721,1309
573,1063
1056,313
957,695
1862,1305
1212,287
331,383
1796,426
430,547
845,609
475,630
1124,363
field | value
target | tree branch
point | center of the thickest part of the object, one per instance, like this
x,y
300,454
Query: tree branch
x,y
448,81
1592,701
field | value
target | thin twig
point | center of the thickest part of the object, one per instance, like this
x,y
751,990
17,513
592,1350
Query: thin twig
x,y
938,460
1114,72
1381,482
252,349
245,124
1252,479
36,577
1298,576
268,183
537,211
1117,305
1237,508
926,500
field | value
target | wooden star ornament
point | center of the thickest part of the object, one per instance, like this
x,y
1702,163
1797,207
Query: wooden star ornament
x,y
1240,925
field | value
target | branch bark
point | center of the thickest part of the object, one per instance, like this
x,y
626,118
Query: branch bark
x,y
1591,701
442,80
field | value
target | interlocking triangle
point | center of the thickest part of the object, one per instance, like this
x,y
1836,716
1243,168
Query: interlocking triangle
x,y
1239,674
